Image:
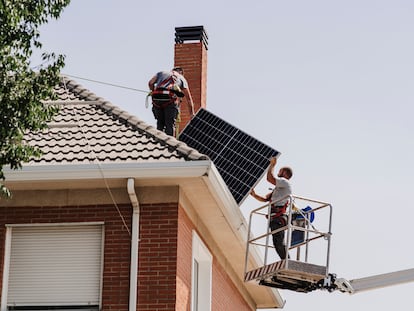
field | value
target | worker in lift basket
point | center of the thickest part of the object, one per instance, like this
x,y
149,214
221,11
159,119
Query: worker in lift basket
x,y
280,200
167,89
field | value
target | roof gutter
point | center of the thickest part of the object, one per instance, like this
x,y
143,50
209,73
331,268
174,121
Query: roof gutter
x,y
133,277
49,172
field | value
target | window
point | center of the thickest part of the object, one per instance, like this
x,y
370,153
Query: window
x,y
201,276
53,267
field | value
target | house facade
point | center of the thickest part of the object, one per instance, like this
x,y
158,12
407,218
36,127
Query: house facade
x,y
116,215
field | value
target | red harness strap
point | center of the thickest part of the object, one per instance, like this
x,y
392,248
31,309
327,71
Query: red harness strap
x,y
278,210
166,92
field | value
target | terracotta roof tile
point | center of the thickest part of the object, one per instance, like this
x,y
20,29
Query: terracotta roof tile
x,y
89,128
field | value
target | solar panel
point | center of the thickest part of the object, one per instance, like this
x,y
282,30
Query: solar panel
x,y
240,159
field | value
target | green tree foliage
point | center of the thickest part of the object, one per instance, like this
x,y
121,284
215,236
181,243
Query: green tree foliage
x,y
22,89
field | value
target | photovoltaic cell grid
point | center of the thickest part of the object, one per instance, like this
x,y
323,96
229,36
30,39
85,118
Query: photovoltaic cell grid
x,y
240,158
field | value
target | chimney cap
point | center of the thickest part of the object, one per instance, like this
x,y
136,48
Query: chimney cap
x,y
191,33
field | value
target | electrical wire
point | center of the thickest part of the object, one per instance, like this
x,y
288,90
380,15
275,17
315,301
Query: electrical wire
x,y
106,83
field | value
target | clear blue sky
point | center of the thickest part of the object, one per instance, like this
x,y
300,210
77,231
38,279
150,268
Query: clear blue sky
x,y
327,83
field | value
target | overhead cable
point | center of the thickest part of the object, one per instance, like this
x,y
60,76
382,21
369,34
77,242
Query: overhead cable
x,y
106,83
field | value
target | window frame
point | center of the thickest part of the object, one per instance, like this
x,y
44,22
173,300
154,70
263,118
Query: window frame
x,y
201,275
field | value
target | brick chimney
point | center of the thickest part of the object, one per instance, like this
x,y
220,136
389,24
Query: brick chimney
x,y
190,53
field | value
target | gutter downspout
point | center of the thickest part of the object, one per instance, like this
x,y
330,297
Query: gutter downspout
x,y
133,282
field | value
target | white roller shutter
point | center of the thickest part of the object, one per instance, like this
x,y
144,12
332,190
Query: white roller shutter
x,y
55,265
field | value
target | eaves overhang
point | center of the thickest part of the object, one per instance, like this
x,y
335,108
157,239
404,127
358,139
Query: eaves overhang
x,y
107,170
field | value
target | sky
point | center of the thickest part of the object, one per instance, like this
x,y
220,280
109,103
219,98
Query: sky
x,y
327,83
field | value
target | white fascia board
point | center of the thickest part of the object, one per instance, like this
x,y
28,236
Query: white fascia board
x,y
108,170
229,206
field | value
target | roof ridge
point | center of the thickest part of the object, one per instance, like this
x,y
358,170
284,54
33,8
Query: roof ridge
x,y
87,95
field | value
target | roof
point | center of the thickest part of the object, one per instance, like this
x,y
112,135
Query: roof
x,y
88,128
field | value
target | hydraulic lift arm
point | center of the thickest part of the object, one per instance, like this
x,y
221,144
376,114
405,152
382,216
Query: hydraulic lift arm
x,y
374,282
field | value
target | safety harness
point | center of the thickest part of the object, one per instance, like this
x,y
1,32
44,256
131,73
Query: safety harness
x,y
278,210
167,92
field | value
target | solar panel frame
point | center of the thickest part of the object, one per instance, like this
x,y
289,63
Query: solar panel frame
x,y
240,158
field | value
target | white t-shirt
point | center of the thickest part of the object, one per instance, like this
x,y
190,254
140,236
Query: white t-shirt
x,y
281,191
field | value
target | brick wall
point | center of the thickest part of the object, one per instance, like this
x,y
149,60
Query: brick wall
x,y
117,251
192,57
184,263
225,295
157,257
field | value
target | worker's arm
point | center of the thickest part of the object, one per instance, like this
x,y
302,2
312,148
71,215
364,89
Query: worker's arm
x,y
189,100
258,197
270,177
151,83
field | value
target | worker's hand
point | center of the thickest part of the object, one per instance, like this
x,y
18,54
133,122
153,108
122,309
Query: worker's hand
x,y
191,107
252,192
273,161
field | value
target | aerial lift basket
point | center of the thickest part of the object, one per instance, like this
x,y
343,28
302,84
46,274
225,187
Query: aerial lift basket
x,y
308,225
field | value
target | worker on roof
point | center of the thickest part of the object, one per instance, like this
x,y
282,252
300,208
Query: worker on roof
x,y
279,199
167,90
